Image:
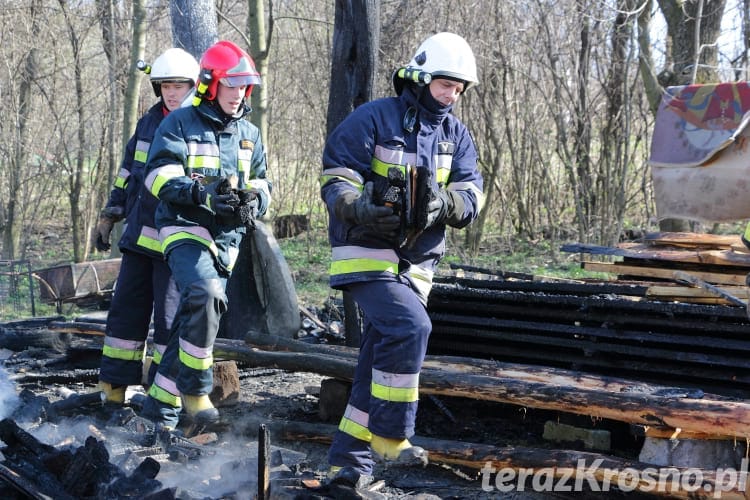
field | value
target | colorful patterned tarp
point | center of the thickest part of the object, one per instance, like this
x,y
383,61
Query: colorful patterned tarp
x,y
699,160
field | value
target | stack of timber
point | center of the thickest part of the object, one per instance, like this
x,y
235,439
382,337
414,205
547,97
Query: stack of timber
x,y
672,313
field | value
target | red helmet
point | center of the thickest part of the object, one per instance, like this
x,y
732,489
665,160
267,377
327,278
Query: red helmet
x,y
225,62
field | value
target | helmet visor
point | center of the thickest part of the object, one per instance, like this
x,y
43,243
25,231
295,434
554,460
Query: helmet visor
x,y
240,80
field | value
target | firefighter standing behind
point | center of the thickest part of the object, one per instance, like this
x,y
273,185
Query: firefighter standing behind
x,y
410,153
207,166
144,285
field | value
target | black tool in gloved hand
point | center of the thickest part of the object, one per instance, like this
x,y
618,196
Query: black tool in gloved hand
x,y
247,211
359,208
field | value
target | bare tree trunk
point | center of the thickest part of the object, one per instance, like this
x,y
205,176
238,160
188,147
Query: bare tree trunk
x,y
356,38
12,223
612,164
645,60
259,42
75,181
194,25
132,94
582,140
106,13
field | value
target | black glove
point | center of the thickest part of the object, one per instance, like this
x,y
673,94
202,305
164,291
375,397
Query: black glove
x,y
356,208
445,207
103,230
107,220
219,200
248,208
222,204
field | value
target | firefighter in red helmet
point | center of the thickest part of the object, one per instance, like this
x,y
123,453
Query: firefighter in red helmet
x,y
207,166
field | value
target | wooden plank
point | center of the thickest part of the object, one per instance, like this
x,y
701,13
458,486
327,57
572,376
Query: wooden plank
x,y
693,240
567,467
661,273
602,397
641,251
691,292
655,431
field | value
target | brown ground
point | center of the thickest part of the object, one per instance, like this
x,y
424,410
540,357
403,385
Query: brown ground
x,y
227,467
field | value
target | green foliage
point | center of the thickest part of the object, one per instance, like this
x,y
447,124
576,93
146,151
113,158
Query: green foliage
x,y
308,256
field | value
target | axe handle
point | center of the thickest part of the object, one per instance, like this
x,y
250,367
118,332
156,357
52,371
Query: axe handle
x,y
684,277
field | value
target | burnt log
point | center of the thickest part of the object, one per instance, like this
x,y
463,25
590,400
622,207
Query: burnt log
x,y
538,387
43,471
22,485
598,471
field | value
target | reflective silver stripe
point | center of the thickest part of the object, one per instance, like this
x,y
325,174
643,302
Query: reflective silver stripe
x,y
198,231
166,384
468,186
395,156
397,380
131,345
158,176
196,351
421,280
356,415
202,149
355,252
344,173
260,185
443,161
245,154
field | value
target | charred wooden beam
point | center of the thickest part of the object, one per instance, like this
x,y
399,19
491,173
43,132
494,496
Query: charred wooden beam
x,y
572,465
551,393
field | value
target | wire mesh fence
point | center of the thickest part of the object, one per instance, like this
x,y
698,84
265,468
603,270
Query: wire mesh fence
x,y
16,289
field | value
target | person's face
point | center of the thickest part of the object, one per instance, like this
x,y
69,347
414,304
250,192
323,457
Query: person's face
x,y
230,98
173,93
446,92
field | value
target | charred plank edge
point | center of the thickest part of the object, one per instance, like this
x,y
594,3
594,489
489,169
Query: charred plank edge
x,y
560,463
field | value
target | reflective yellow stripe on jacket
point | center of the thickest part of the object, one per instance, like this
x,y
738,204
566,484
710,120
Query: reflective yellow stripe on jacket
x,y
199,234
159,176
356,259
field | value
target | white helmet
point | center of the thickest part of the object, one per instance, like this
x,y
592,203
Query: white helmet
x,y
444,55
174,65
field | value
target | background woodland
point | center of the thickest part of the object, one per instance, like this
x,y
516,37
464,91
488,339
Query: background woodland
x,y
562,118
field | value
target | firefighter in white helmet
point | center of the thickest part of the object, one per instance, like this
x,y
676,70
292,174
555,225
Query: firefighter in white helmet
x,y
396,172
144,285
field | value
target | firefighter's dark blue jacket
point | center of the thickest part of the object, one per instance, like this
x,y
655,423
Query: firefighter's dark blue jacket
x,y
140,205
379,135
199,144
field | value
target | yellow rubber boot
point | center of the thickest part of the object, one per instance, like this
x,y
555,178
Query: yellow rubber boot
x,y
388,448
333,471
113,394
200,408
399,451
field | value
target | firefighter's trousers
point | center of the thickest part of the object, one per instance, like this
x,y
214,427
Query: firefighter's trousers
x,y
386,380
144,288
187,364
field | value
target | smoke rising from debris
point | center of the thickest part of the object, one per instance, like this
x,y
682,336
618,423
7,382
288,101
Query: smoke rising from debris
x,y
8,397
